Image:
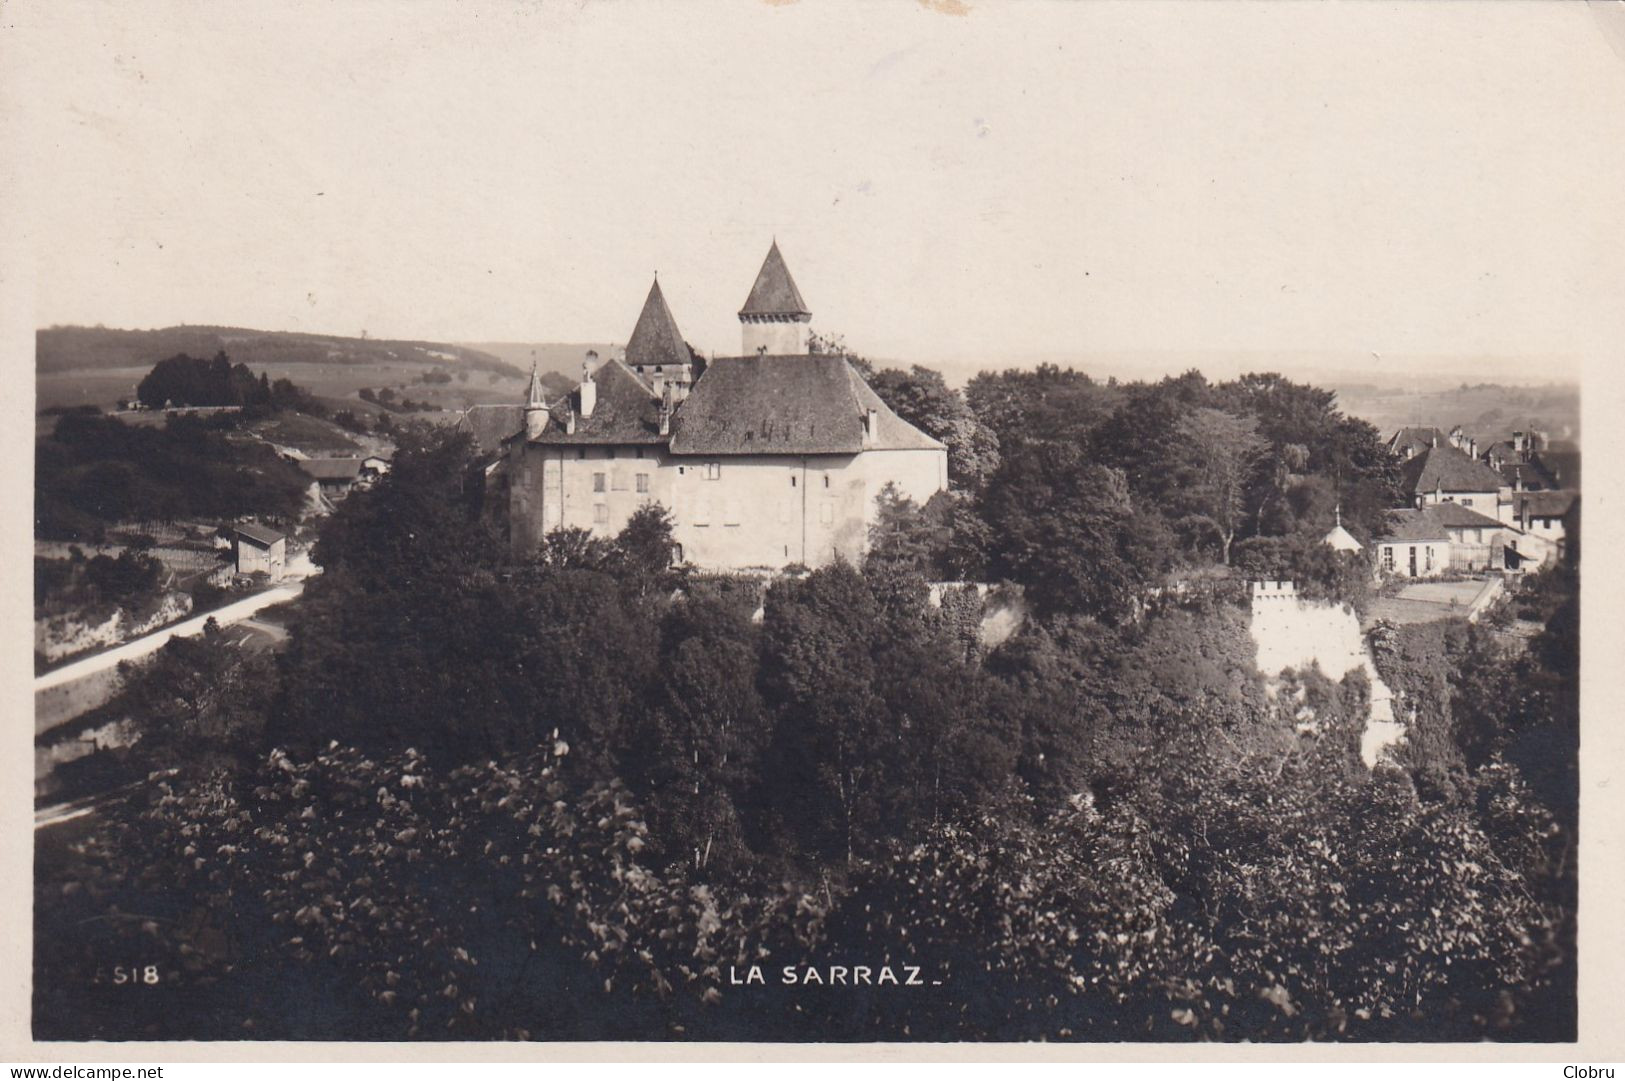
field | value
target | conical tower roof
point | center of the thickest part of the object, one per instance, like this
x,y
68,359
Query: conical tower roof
x,y
536,396
656,339
775,292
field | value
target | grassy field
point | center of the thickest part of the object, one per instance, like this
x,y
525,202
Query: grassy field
x,y
338,384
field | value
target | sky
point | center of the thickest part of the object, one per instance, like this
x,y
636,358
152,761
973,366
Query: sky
x,y
1392,184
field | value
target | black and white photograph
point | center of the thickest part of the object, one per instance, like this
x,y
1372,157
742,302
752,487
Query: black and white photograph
x,y
802,523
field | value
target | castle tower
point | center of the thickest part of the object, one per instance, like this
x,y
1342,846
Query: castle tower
x,y
774,319
535,407
656,350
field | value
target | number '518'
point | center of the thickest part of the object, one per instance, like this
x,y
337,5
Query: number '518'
x,y
147,974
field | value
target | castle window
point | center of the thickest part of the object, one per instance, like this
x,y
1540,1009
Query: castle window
x,y
713,470
581,453
792,480
638,453
600,513
598,482
826,480
643,482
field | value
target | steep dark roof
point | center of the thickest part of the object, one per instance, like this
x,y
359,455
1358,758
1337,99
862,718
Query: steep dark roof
x,y
491,424
1447,469
1414,525
1563,463
775,292
1456,516
1415,439
656,340
1544,504
625,411
803,404
331,468
1533,474
257,534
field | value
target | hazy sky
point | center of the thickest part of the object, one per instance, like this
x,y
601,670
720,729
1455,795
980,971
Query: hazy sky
x,y
1024,179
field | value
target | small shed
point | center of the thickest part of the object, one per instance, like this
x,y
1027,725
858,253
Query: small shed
x,y
335,475
259,550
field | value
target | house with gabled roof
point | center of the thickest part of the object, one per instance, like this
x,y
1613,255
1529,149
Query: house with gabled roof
x,y
1448,474
765,460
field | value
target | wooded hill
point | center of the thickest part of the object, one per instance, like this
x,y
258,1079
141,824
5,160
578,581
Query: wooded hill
x,y
74,348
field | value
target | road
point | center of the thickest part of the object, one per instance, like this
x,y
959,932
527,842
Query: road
x,y
234,612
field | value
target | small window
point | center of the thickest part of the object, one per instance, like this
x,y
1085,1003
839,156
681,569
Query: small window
x,y
1466,502
598,482
643,482
638,453
1387,558
600,513
713,470
581,453
826,480
792,480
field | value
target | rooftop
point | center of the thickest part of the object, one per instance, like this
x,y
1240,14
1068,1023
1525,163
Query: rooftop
x,y
803,404
257,534
625,410
775,292
1447,469
655,340
331,468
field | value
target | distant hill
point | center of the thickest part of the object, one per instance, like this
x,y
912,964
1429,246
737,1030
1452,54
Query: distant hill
x,y
72,348
1487,411
562,357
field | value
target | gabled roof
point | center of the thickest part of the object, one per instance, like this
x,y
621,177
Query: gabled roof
x,y
1544,504
257,534
1447,469
492,423
1415,440
625,410
775,292
1341,540
1414,525
331,468
656,340
1532,474
1456,516
802,404
1563,463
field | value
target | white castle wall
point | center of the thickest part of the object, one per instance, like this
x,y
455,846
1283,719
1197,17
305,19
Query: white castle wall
x,y
1291,632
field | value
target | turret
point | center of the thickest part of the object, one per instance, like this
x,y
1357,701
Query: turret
x,y
774,319
535,407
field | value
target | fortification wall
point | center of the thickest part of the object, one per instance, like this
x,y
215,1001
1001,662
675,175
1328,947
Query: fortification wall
x,y
1291,632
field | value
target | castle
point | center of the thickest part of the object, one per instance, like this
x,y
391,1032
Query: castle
x,y
765,460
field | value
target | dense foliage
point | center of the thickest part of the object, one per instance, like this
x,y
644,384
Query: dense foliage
x,y
579,794
94,471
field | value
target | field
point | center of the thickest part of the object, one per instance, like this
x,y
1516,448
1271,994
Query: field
x,y
1487,411
337,384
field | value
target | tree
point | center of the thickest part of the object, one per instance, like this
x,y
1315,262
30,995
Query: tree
x,y
1225,453
922,397
1061,527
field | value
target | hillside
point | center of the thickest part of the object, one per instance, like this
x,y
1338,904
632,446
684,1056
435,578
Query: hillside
x,y
72,348
1488,411
562,357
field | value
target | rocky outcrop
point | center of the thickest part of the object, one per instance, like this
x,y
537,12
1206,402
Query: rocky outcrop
x,y
60,636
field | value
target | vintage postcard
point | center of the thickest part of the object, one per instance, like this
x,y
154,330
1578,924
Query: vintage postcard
x,y
812,526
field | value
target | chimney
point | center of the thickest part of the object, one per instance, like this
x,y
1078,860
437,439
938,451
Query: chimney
x,y
1472,448
570,422
589,388
871,420
665,411
1517,442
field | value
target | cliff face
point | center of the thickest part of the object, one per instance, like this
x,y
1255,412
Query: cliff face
x,y
56,637
1294,633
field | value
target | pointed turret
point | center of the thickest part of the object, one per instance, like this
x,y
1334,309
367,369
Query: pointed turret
x,y
774,318
535,405
655,341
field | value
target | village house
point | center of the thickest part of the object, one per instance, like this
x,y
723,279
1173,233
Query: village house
x,y
764,460
1445,473
1415,546
259,550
